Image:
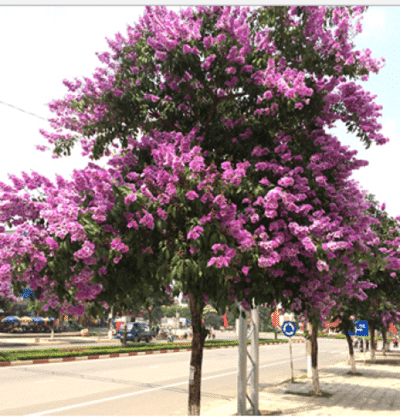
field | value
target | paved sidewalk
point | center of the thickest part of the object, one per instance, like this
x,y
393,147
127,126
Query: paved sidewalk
x,y
376,392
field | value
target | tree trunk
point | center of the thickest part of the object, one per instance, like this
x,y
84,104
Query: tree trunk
x,y
308,350
373,341
275,334
110,324
314,359
385,344
52,330
196,359
127,320
150,318
351,353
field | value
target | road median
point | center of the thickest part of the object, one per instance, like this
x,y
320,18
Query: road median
x,y
54,355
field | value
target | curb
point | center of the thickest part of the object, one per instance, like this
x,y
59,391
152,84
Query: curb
x,y
116,355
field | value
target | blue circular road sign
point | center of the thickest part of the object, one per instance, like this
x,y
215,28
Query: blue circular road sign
x,y
289,328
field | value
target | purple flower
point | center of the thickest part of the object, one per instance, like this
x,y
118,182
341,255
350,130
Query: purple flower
x,y
147,220
52,243
191,195
131,224
117,259
102,270
162,213
322,265
245,270
151,97
286,181
195,233
162,56
130,199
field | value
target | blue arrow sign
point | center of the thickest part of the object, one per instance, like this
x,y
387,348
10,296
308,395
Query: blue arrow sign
x,y
289,328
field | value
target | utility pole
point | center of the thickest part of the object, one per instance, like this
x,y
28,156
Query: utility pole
x,y
242,364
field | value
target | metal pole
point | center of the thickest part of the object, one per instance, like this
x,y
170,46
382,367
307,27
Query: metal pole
x,y
255,316
291,358
242,365
365,351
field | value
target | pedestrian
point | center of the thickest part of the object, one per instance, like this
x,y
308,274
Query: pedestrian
x,y
361,345
367,345
188,332
395,342
157,330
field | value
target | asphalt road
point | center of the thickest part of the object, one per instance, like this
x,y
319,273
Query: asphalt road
x,y
147,385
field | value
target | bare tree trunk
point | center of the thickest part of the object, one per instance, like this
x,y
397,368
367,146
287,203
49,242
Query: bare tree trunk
x,y
385,343
373,341
199,336
351,353
314,359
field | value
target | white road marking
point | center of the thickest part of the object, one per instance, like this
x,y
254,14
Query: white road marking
x,y
41,413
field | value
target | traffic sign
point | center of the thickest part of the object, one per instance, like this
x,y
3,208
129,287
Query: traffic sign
x,y
289,328
361,328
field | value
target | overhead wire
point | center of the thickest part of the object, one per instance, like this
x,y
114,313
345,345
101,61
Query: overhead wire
x,y
17,108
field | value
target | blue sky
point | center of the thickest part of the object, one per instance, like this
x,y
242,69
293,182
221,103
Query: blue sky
x,y
42,45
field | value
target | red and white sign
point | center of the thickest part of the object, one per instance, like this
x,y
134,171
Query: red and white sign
x,y
275,319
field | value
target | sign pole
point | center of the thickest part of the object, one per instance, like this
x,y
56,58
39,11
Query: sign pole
x,y
365,350
291,358
242,364
289,330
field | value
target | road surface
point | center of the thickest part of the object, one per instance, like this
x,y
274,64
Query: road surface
x,y
149,385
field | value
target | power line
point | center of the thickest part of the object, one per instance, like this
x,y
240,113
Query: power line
x,y
35,115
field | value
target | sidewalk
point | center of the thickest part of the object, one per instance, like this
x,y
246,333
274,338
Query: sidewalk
x,y
376,392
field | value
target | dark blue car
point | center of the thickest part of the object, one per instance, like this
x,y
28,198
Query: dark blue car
x,y
136,333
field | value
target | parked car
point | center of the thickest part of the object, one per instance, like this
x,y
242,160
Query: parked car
x,y
136,332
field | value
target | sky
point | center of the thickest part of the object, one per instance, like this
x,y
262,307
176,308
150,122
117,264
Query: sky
x,y
42,45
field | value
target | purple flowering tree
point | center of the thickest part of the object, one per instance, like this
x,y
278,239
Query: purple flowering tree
x,y
225,179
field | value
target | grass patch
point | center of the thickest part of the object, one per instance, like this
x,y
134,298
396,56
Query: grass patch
x,y
322,394
14,355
